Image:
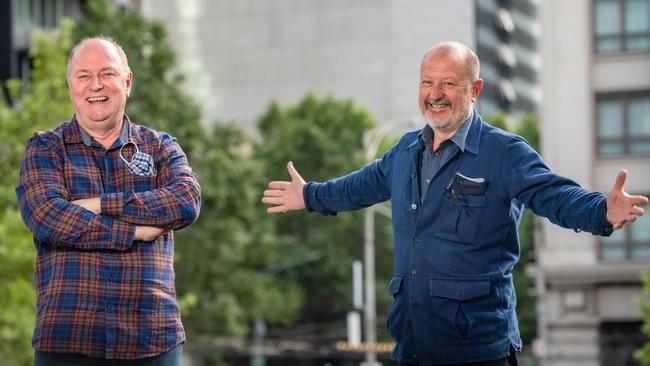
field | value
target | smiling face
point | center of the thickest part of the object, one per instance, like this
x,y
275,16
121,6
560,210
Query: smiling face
x,y
100,83
448,87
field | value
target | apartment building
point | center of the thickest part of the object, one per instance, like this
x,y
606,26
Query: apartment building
x,y
595,121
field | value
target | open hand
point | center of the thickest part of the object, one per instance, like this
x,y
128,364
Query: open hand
x,y
285,196
623,208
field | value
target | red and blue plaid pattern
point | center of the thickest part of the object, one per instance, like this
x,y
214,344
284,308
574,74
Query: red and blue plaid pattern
x,y
99,292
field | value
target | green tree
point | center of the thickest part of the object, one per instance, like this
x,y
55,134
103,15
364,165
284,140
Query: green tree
x,y
643,354
323,137
528,128
46,104
223,276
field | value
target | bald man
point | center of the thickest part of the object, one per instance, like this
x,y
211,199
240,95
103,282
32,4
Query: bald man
x,y
458,188
102,196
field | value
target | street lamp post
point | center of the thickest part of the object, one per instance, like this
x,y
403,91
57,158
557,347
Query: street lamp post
x,y
371,142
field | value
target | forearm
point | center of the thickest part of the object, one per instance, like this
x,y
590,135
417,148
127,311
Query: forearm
x,y
56,222
172,207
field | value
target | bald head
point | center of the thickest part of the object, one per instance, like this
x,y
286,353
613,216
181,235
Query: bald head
x,y
456,51
106,41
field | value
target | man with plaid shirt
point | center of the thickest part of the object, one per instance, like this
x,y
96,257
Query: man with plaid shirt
x,y
102,197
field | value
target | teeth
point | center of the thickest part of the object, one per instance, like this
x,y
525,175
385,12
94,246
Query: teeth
x,y
97,99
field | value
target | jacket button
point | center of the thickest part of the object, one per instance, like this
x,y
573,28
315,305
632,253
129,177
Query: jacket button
x,y
415,306
413,271
414,206
417,239
412,174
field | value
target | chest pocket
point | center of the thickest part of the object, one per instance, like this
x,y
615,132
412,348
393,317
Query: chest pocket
x,y
460,217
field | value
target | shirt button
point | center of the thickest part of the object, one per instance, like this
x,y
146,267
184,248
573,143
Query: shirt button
x,y
413,271
415,306
417,239
414,206
428,181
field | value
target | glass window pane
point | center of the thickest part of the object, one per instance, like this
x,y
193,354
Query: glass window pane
x,y
607,17
610,118
636,16
610,148
639,116
617,237
637,43
640,147
609,253
640,229
640,252
605,45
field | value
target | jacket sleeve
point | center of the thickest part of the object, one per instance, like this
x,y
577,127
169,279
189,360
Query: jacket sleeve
x,y
357,190
561,200
173,205
45,208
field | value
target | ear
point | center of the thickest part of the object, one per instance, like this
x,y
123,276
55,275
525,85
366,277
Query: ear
x,y
476,89
129,83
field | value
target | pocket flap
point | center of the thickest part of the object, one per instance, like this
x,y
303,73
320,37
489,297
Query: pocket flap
x,y
395,284
458,289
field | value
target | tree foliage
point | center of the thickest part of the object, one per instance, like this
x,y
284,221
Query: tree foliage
x,y
323,137
643,354
42,107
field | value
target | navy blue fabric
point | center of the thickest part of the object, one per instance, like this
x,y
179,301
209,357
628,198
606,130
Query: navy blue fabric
x,y
454,298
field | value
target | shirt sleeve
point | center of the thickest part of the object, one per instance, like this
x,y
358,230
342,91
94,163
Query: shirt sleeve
x,y
174,205
46,210
561,200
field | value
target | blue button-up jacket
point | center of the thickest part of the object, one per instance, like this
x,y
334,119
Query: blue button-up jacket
x,y
454,298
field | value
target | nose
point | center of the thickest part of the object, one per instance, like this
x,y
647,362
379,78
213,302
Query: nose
x,y
435,92
96,83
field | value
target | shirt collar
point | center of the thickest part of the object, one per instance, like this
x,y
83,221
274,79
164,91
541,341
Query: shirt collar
x,y
123,139
425,137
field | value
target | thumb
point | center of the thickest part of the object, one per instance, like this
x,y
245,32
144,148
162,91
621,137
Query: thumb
x,y
620,180
293,172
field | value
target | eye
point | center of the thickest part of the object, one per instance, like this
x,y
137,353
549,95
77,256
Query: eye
x,y
108,74
448,85
83,77
426,83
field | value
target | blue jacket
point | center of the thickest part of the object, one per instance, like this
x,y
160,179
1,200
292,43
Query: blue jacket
x,y
454,299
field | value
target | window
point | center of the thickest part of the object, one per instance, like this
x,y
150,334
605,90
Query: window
x,y
623,124
630,243
622,26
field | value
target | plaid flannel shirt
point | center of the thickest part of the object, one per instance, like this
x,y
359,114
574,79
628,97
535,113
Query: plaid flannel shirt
x,y
99,292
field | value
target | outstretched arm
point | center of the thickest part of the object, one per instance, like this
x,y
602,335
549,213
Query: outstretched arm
x,y
285,196
623,208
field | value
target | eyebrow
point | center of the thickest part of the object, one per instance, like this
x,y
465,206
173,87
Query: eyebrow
x,y
102,70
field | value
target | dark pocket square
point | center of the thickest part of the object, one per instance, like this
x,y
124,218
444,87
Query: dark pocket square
x,y
461,185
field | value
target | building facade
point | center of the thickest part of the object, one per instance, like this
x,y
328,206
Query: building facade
x,y
595,121
237,56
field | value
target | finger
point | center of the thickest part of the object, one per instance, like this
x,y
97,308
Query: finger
x,y
620,180
279,185
293,172
276,209
273,200
637,211
273,193
639,200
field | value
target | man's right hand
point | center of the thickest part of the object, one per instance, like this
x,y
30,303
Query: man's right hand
x,y
147,233
285,196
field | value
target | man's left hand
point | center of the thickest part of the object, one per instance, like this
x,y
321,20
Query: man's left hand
x,y
93,205
623,208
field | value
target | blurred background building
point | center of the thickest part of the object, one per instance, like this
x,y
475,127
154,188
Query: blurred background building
x,y
238,55
595,119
